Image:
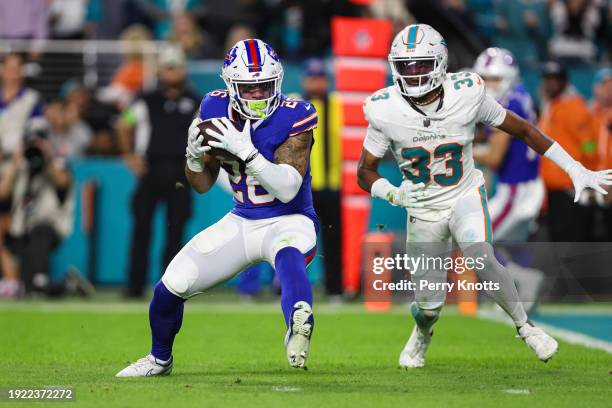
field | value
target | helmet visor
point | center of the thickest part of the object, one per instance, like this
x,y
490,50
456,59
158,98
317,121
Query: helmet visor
x,y
256,91
414,70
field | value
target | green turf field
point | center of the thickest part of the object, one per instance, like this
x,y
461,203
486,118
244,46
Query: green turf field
x,y
229,356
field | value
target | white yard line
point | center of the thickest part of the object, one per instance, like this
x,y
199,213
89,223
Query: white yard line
x,y
569,336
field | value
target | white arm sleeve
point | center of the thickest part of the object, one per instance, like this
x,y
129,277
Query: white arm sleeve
x,y
283,181
375,141
490,112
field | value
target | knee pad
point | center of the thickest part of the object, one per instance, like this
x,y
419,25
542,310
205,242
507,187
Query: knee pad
x,y
180,275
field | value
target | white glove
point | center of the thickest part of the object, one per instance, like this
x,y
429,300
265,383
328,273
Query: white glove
x,y
407,195
232,140
195,150
581,177
585,178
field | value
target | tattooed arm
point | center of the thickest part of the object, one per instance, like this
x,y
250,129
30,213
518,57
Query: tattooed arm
x,y
283,178
295,152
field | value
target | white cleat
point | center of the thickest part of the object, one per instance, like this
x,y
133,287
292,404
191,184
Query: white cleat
x,y
413,354
146,367
544,346
297,340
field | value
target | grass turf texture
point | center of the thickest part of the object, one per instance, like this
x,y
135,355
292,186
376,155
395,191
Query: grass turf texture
x,y
233,356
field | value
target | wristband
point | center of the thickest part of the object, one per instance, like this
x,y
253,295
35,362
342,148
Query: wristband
x,y
383,189
557,154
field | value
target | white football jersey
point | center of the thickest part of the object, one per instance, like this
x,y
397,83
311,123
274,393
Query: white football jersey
x,y
433,147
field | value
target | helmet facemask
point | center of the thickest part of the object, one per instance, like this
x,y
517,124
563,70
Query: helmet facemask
x,y
416,76
255,99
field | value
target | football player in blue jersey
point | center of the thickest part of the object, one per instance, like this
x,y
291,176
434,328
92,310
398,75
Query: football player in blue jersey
x,y
273,220
520,191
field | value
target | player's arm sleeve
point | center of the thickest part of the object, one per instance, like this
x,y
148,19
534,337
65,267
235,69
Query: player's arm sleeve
x,y
283,178
375,141
490,112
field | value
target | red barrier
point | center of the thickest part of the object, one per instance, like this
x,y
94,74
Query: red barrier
x,y
355,218
376,245
361,37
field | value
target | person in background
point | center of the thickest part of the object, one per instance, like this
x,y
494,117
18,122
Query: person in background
x,y
105,18
196,43
523,28
20,110
602,112
577,26
519,190
162,13
152,141
567,119
43,216
99,117
69,136
129,78
67,19
325,164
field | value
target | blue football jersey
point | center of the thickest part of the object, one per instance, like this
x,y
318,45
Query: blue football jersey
x,y
292,117
521,163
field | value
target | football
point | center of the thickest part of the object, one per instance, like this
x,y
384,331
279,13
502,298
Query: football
x,y
219,154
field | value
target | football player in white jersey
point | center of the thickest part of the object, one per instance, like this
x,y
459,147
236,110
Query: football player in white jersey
x,y
427,119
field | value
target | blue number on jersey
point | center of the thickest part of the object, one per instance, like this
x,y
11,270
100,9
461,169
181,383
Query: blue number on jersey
x,y
520,164
291,118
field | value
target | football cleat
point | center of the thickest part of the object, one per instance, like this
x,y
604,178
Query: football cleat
x,y
297,340
413,354
544,345
146,367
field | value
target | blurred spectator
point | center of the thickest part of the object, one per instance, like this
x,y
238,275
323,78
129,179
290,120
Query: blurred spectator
x,y
325,165
196,43
236,33
99,117
153,136
105,18
10,285
68,18
20,110
68,135
460,10
162,13
602,111
25,20
566,118
394,10
577,25
523,28
221,16
43,215
129,78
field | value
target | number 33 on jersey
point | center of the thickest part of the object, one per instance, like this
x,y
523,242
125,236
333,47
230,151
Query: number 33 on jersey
x,y
433,146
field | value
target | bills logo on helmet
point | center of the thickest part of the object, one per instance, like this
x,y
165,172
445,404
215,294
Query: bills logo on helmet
x,y
272,53
230,57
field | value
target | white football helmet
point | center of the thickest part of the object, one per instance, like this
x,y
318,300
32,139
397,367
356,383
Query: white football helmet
x,y
418,60
253,75
498,67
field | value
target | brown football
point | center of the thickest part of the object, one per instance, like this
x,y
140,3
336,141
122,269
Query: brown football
x,y
219,154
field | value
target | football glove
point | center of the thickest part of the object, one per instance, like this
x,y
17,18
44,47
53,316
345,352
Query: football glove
x,y
232,140
195,151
